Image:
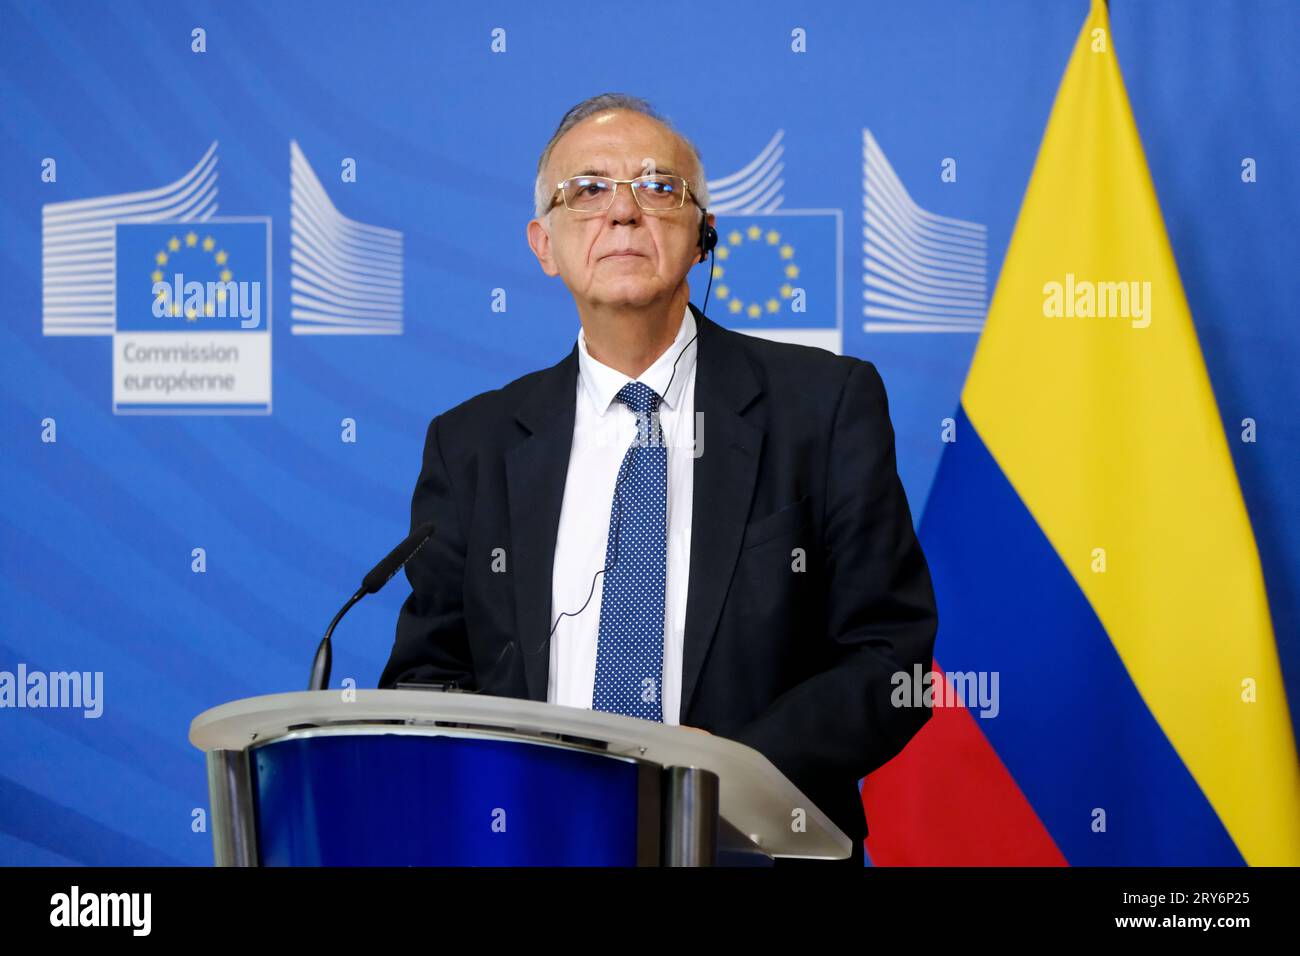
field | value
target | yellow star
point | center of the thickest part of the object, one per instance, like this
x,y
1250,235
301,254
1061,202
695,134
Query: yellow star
x,y
191,314
786,291
792,271
208,244
225,275
787,251
754,232
161,258
191,239
717,272
735,305
156,275
773,305
722,252
773,237
209,310
222,257
221,295
734,238
176,308
754,311
723,291
173,243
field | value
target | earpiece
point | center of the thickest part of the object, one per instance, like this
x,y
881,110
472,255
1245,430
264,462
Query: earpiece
x,y
708,235
708,239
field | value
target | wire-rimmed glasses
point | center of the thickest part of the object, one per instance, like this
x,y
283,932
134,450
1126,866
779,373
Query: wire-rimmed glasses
x,y
659,192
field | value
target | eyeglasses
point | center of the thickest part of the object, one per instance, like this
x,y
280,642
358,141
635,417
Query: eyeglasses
x,y
657,193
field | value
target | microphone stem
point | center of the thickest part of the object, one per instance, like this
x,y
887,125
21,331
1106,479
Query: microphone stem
x,y
320,666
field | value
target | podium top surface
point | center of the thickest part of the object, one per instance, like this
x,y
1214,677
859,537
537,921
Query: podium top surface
x,y
754,796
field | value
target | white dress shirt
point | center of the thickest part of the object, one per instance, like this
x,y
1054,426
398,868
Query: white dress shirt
x,y
603,429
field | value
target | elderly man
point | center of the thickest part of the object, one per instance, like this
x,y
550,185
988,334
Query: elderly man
x,y
698,527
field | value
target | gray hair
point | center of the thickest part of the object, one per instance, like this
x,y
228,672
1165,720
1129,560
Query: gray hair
x,y
543,191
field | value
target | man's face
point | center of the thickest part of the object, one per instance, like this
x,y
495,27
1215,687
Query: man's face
x,y
625,256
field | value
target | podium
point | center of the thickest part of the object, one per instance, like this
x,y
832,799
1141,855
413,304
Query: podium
x,y
446,778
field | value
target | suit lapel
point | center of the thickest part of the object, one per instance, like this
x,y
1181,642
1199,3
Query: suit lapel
x,y
724,476
536,470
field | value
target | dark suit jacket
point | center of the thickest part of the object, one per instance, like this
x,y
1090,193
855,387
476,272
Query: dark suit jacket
x,y
798,452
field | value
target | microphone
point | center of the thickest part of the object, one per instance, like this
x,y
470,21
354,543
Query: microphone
x,y
379,576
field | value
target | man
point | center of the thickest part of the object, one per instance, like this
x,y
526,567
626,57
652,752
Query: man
x,y
677,522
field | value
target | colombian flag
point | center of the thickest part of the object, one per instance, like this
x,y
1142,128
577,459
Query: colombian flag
x,y
1089,542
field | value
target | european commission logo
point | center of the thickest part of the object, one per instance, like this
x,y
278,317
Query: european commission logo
x,y
777,272
186,295
346,275
921,272
193,317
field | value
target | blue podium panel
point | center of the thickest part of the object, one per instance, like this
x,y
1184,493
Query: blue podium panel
x,y
412,799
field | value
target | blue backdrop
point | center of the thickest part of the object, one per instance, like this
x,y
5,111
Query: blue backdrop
x,y
442,113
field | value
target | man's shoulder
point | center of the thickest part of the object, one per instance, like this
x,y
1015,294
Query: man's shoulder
x,y
777,354
480,416
790,368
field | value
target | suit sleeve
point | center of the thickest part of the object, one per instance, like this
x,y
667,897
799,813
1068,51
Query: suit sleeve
x,y
431,643
881,617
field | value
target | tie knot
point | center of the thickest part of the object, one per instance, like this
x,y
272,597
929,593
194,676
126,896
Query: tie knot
x,y
640,398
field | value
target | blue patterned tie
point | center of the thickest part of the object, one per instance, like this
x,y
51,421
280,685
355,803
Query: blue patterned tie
x,y
630,651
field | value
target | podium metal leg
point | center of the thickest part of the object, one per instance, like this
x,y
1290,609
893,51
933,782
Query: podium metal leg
x,y
690,827
230,795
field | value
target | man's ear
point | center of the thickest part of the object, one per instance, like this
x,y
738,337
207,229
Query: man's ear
x,y
539,240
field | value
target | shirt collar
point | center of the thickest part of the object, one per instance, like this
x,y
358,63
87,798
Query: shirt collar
x,y
601,383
